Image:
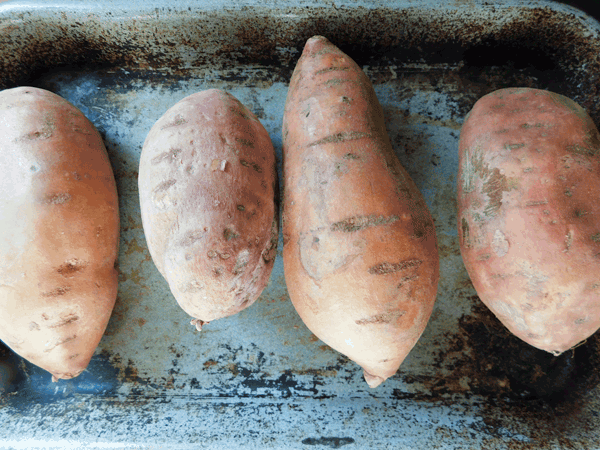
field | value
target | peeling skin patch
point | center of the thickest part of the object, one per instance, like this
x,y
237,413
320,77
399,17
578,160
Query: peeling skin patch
x,y
191,236
358,223
500,244
179,120
382,318
57,292
58,199
385,268
341,137
241,262
166,156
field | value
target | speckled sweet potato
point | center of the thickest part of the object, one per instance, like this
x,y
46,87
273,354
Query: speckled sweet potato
x,y
360,251
207,185
529,215
59,232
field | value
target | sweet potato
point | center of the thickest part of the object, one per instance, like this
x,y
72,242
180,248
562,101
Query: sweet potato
x,y
360,251
59,232
207,184
529,216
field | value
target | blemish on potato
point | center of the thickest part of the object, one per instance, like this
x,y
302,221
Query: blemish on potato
x,y
178,120
254,166
357,223
513,146
500,244
62,290
382,318
52,345
71,266
341,137
406,279
537,203
68,319
168,156
58,199
33,326
230,234
241,262
163,186
596,237
465,233
386,267
191,236
245,142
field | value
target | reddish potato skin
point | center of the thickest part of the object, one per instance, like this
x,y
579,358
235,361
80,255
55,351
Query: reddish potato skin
x,y
59,232
529,216
207,185
360,251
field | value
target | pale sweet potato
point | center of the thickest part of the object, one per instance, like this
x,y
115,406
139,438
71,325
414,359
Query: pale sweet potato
x,y
529,216
59,231
207,184
360,251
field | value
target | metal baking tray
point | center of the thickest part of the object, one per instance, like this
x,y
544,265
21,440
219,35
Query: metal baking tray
x,y
260,379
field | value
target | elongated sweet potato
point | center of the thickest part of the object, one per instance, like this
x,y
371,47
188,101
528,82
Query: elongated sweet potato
x,y
59,231
207,186
529,216
360,251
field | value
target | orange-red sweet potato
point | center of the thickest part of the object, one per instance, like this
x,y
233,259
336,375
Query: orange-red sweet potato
x,y
59,231
529,215
207,185
360,251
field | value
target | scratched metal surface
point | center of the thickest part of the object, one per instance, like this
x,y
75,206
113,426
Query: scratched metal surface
x,y
260,379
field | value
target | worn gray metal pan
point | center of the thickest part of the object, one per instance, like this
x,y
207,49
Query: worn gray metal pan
x,y
260,379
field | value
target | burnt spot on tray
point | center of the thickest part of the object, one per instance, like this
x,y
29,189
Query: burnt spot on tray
x,y
484,358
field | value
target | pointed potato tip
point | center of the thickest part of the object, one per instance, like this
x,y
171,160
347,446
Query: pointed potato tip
x,y
372,380
316,43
